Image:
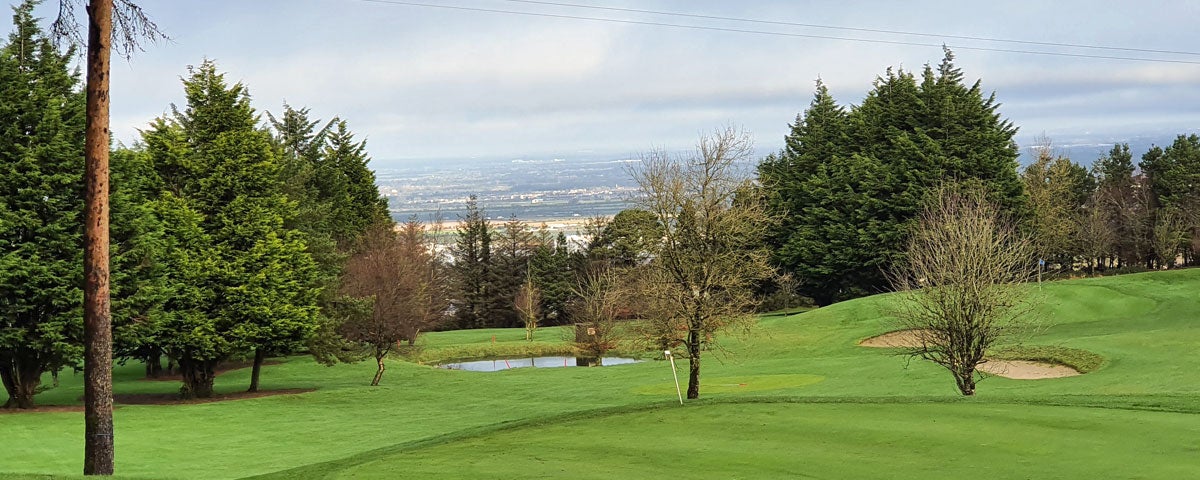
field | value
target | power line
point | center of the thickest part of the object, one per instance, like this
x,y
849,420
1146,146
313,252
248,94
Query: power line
x,y
777,34
855,29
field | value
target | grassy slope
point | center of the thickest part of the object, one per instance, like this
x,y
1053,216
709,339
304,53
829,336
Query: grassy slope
x,y
834,398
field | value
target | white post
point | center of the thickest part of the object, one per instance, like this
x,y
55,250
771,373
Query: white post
x,y
670,357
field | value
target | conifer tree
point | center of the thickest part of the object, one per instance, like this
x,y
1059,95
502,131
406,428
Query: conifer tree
x,y
41,206
473,276
249,282
849,185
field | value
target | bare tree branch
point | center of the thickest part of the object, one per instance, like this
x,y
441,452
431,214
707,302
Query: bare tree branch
x,y
131,26
964,283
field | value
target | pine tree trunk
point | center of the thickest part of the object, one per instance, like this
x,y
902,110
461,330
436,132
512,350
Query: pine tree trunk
x,y
97,322
259,356
693,391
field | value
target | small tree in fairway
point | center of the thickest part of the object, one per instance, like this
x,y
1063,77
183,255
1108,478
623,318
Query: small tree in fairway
x,y
702,276
963,282
395,287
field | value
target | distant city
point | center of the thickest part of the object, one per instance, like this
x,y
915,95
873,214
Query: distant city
x,y
533,190
558,189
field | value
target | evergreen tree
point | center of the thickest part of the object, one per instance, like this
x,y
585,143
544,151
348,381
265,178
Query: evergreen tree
x,y
630,238
138,245
849,185
325,172
472,269
554,277
1119,200
251,281
1174,173
41,197
1174,177
512,251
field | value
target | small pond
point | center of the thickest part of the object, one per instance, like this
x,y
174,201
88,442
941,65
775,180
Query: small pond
x,y
540,362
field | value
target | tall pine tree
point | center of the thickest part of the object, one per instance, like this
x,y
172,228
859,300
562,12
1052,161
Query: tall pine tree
x,y
473,269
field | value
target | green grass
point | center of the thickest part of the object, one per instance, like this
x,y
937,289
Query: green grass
x,y
794,397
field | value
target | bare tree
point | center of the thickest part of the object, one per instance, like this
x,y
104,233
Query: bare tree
x,y
1169,237
132,26
403,285
702,277
529,305
1096,238
598,302
963,283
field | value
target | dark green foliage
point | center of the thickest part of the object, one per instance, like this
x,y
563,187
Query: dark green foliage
x,y
554,277
472,269
1174,173
138,246
1123,206
324,171
512,250
41,206
630,238
236,278
848,184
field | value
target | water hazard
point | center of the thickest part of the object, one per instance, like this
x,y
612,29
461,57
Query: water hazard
x,y
539,362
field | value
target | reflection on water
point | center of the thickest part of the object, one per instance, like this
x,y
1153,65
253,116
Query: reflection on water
x,y
540,362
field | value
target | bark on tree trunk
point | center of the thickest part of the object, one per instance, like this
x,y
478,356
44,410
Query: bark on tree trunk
x,y
21,385
964,377
693,391
197,378
97,323
378,373
154,368
259,356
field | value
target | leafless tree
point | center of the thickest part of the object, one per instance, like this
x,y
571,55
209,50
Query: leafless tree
x,y
964,283
1096,238
529,305
1169,237
399,276
597,304
701,280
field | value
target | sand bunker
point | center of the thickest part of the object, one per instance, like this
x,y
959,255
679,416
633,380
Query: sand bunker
x,y
1014,369
1026,370
896,339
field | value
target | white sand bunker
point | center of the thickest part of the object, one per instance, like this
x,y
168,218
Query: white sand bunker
x,y
1026,370
896,339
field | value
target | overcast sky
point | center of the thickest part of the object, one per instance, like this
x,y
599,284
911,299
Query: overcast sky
x,y
422,82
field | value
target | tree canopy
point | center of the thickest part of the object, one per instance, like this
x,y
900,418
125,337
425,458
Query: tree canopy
x,y
850,183
41,209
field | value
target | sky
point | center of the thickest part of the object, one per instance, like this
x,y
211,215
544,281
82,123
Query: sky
x,y
424,83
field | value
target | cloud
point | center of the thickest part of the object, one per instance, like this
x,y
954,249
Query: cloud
x,y
428,82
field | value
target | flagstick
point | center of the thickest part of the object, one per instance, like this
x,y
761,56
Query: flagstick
x,y
670,357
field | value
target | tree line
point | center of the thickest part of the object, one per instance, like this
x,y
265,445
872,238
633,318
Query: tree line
x,y
230,234
849,183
